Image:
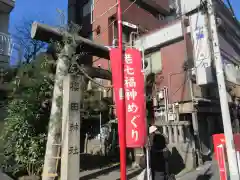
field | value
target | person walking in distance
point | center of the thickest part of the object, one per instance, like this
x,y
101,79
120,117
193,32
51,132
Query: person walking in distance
x,y
158,155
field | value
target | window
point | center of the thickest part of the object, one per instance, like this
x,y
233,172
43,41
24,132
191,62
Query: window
x,y
88,7
125,35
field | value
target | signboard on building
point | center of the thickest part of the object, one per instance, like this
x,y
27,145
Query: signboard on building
x,y
134,97
187,5
201,48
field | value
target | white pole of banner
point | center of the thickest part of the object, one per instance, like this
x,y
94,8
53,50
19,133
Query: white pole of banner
x,y
148,144
238,159
100,117
148,162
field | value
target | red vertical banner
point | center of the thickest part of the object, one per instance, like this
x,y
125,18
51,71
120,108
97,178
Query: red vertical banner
x,y
117,79
136,132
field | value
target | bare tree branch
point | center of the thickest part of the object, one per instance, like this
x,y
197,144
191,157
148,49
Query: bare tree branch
x,y
29,46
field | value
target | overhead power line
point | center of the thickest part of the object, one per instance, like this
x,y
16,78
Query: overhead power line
x,y
231,8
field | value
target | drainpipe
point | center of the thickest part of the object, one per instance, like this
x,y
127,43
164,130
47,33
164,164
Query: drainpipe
x,y
167,99
170,82
131,39
114,42
166,103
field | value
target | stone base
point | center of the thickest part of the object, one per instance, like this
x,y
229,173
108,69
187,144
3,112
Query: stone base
x,y
138,153
29,178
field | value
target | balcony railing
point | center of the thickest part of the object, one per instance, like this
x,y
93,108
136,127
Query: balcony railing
x,y
6,44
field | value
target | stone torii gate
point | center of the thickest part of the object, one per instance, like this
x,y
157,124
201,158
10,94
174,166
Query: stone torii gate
x,y
64,124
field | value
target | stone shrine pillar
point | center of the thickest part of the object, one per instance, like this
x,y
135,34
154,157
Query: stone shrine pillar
x,y
70,161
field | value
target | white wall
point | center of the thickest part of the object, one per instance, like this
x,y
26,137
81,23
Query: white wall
x,y
189,5
161,36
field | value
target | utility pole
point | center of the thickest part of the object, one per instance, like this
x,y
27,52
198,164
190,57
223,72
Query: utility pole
x,y
230,147
184,24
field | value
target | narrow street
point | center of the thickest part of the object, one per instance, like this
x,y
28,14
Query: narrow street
x,y
87,86
208,171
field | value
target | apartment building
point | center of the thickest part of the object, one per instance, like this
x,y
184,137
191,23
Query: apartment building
x,y
97,18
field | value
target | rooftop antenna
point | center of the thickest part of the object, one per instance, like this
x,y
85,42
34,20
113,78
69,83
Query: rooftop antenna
x,y
61,18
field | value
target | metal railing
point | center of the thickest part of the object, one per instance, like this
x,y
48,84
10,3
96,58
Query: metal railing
x,y
6,44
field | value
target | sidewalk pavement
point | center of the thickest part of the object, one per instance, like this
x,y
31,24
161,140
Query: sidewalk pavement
x,y
208,171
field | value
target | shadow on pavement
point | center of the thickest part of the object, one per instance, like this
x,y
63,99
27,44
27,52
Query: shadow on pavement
x,y
99,173
204,177
100,165
90,162
176,163
133,174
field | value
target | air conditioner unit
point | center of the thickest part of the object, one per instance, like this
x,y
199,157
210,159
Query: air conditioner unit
x,y
152,63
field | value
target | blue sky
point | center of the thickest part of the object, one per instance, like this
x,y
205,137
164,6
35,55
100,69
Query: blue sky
x,y
45,10
236,7
39,10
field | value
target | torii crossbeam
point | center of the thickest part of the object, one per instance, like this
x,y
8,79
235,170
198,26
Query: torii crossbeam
x,y
47,33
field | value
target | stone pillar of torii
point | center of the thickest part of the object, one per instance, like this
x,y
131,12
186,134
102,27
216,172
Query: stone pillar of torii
x,y
65,118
